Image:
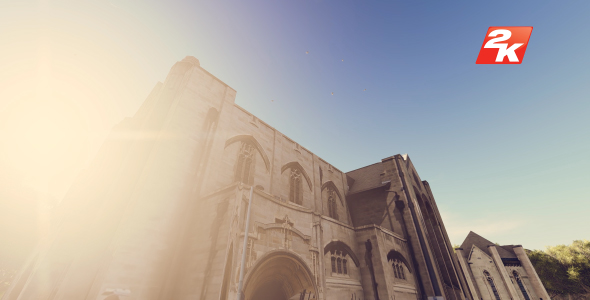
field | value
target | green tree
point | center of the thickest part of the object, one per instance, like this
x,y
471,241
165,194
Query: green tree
x,y
564,269
577,259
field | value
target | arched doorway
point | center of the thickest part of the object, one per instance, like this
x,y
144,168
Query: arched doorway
x,y
280,275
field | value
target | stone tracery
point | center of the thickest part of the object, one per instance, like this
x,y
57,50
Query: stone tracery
x,y
490,280
339,263
520,285
245,164
295,187
398,269
332,207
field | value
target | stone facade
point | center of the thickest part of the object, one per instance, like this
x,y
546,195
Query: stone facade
x,y
161,214
498,272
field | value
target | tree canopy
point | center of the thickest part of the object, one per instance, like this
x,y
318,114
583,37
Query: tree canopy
x,y
564,269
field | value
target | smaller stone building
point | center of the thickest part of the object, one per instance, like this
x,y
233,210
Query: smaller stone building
x,y
495,272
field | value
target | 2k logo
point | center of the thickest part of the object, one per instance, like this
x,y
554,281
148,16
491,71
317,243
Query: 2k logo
x,y
504,45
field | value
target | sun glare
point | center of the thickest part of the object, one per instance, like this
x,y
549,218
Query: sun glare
x,y
65,82
44,136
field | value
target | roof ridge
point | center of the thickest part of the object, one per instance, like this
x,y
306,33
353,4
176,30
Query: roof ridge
x,y
475,239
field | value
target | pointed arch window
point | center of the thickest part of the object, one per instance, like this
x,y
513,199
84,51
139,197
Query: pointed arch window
x,y
521,285
339,263
245,164
492,284
332,206
398,269
296,187
333,264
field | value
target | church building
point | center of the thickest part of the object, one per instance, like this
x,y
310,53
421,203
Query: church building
x,y
161,213
497,272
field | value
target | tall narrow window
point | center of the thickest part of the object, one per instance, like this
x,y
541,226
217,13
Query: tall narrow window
x,y
245,164
521,285
491,282
333,264
331,205
339,263
332,208
398,269
296,188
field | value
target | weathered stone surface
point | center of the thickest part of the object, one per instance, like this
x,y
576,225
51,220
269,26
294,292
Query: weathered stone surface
x,y
498,272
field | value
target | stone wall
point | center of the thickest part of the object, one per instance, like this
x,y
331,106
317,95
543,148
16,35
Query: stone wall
x,y
168,213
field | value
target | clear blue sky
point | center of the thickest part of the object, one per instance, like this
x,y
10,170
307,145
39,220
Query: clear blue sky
x,y
505,148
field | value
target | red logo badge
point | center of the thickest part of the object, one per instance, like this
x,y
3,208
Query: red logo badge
x,y
504,45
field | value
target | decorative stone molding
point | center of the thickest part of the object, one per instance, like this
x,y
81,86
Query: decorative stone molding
x,y
337,245
286,226
331,184
297,165
246,138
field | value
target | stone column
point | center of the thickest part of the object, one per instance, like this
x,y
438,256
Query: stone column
x,y
414,223
465,267
322,273
500,266
530,270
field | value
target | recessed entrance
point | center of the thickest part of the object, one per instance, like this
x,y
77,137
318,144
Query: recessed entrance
x,y
280,275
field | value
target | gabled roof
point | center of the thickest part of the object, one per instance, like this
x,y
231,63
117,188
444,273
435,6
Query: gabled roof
x,y
473,247
474,239
509,249
366,178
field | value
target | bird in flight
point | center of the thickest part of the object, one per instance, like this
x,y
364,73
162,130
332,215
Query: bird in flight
x,y
306,52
